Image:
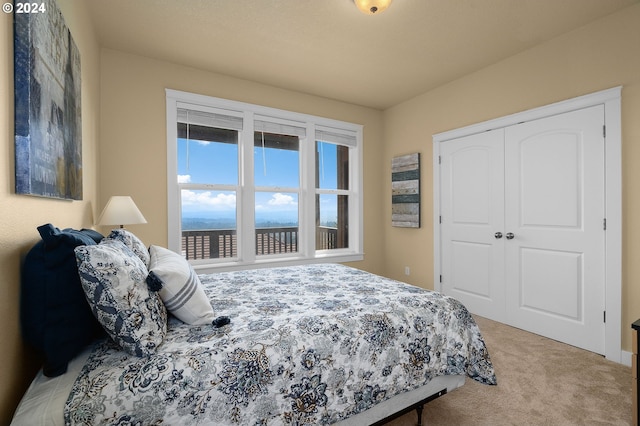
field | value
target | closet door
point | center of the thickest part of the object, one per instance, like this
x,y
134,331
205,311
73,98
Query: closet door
x,y
472,222
522,225
554,214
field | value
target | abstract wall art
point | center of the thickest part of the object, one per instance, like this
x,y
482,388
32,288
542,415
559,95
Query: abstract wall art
x,y
48,124
405,191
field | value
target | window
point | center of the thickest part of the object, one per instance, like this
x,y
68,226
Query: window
x,y
253,185
332,190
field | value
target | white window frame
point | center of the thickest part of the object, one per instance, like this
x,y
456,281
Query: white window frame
x,y
246,189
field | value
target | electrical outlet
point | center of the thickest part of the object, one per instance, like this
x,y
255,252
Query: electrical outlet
x,y
407,270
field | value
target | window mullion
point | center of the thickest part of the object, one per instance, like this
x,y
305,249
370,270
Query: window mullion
x,y
275,189
308,193
334,191
246,207
209,186
356,217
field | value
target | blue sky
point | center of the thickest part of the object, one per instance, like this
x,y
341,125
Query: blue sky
x,y
213,162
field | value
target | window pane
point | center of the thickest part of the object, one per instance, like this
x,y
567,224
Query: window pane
x,y
276,160
332,166
332,221
276,222
208,224
208,161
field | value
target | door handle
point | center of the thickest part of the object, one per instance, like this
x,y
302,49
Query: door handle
x,y
498,235
510,236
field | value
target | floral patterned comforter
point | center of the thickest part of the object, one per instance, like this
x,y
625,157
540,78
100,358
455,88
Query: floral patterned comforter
x,y
310,344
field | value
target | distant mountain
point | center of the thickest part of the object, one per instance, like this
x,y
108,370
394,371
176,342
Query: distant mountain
x,y
196,223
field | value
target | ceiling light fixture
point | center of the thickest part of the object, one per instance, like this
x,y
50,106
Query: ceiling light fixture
x,y
372,7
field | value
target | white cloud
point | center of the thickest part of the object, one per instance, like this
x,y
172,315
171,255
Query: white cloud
x,y
206,200
279,199
277,202
184,178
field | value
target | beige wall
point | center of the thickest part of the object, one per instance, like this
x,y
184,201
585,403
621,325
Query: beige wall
x,y
133,136
599,56
20,215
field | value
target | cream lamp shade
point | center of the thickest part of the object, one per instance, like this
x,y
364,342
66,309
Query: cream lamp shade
x,y
372,7
121,210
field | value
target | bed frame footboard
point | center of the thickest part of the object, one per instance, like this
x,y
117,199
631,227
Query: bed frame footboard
x,y
418,406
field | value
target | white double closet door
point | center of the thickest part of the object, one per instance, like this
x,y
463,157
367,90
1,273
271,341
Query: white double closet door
x,y
522,225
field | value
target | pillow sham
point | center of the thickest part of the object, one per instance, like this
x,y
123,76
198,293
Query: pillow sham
x,y
182,292
132,241
113,278
55,317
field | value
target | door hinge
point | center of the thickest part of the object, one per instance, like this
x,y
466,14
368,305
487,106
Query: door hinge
x,y
604,223
440,219
440,277
439,159
604,131
604,316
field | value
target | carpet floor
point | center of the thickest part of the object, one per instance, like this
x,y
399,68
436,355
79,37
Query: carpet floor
x,y
540,382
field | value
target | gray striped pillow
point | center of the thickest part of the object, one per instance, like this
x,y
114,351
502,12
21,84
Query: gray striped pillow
x,y
182,292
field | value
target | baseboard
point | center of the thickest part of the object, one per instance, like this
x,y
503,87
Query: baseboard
x,y
625,358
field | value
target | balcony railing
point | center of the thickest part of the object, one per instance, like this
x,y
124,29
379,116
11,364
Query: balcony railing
x,y
209,243
222,243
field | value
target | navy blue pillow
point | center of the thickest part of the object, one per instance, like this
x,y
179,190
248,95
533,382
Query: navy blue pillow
x,y
55,316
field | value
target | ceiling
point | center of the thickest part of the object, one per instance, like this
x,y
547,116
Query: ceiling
x,y
329,48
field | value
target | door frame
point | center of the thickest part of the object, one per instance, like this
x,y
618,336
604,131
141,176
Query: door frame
x,y
611,99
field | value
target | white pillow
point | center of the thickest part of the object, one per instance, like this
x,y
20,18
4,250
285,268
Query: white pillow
x,y
182,291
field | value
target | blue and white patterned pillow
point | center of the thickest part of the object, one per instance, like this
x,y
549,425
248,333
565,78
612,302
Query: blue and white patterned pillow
x,y
132,241
114,282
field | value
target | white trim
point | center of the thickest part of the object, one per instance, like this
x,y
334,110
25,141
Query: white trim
x,y
611,99
245,209
263,111
613,236
308,199
173,198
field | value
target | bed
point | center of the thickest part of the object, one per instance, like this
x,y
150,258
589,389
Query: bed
x,y
308,344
